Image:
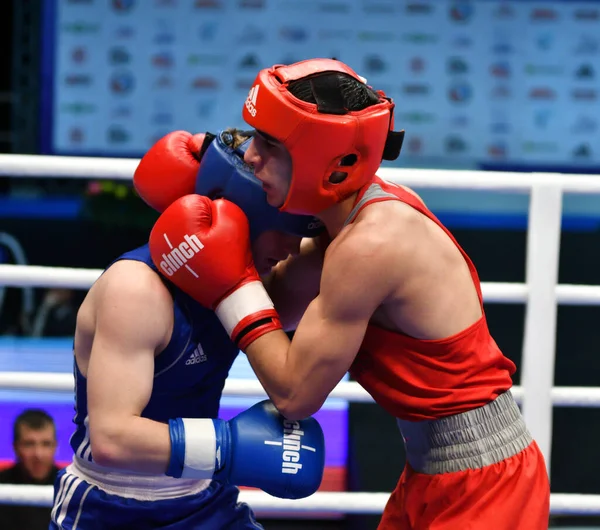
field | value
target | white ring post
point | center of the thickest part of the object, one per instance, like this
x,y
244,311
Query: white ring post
x,y
537,380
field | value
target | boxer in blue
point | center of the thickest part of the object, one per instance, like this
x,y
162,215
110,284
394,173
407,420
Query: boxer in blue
x,y
150,365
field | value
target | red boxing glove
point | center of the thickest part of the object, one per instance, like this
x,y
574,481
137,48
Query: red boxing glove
x,y
168,170
203,247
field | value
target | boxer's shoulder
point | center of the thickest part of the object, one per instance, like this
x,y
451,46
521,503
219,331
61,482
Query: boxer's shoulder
x,y
131,278
359,259
386,217
129,289
377,230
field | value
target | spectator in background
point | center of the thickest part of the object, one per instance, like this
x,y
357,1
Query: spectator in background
x,y
34,443
56,315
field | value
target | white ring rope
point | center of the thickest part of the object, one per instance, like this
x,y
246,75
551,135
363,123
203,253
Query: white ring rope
x,y
565,396
41,166
321,502
37,166
77,278
38,276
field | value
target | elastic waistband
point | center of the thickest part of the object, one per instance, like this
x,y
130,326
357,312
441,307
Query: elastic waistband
x,y
471,440
134,485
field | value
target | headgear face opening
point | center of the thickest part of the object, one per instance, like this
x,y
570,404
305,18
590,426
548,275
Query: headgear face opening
x,y
350,143
224,174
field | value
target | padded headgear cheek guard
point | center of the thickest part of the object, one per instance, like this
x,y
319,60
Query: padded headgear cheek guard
x,y
224,174
318,140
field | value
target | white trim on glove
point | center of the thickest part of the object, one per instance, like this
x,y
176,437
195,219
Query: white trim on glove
x,y
200,448
243,302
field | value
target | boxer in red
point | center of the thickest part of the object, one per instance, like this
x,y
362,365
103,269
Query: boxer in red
x,y
392,298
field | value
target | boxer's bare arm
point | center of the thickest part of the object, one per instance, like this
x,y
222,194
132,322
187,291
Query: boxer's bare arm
x,y
134,315
298,376
294,283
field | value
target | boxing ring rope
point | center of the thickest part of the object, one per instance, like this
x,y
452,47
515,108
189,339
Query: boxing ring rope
x,y
40,166
565,396
541,293
77,278
320,502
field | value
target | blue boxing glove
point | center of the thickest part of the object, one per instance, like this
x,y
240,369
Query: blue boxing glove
x,y
258,448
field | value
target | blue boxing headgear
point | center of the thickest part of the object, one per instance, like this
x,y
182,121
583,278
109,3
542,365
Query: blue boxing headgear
x,y
224,174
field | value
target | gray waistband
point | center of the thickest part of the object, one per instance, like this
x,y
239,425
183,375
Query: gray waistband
x,y
471,440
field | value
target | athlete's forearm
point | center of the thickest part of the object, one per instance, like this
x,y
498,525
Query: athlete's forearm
x,y
293,285
284,376
289,307
133,444
268,356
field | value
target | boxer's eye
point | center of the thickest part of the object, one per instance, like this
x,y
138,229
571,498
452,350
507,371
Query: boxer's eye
x,y
266,139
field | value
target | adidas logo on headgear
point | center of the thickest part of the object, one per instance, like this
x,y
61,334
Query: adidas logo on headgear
x,y
251,100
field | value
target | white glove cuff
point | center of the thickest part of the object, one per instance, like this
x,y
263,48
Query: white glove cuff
x,y
243,302
200,448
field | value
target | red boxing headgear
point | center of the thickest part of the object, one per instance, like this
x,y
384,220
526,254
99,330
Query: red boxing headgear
x,y
319,142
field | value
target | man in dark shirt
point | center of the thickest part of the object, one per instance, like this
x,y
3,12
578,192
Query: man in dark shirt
x,y
34,442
